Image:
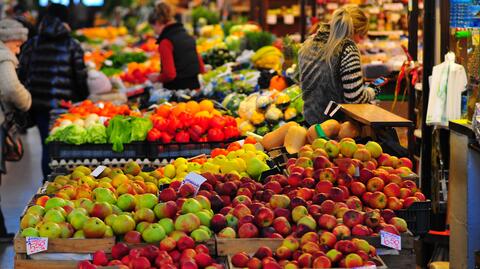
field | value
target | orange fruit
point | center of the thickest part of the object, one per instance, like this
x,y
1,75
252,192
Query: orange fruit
x,y
193,107
206,105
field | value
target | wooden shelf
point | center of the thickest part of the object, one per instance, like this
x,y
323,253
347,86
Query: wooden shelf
x,y
374,116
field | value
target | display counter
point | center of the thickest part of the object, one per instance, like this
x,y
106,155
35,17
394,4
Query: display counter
x,y
463,198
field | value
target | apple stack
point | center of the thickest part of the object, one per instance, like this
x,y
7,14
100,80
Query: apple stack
x,y
311,251
169,255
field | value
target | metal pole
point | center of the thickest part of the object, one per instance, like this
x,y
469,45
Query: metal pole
x,y
303,19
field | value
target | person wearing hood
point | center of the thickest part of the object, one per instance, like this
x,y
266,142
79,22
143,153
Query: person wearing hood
x,y
181,64
12,93
52,68
330,66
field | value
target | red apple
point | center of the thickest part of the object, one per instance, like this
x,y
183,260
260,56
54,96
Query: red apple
x,y
357,188
392,190
394,203
341,231
352,218
375,184
327,222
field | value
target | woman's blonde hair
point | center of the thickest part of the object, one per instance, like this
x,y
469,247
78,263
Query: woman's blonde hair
x,y
346,21
162,13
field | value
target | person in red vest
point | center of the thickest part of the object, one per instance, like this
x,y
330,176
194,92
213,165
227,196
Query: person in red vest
x,y
180,62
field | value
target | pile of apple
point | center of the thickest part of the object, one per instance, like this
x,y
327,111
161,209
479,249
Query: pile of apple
x,y
311,251
170,254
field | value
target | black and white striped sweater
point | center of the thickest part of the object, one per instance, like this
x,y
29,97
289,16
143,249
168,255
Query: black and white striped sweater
x,y
321,84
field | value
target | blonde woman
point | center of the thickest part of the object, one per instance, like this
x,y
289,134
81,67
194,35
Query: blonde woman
x,y
329,62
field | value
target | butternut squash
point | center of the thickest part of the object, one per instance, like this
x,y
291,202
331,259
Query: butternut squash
x,y
331,128
295,138
275,138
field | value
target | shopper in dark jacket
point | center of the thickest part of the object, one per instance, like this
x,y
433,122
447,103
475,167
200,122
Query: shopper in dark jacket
x,y
52,69
180,61
330,66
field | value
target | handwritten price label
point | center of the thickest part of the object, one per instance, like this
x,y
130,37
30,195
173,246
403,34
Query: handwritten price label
x,y
195,179
390,240
36,244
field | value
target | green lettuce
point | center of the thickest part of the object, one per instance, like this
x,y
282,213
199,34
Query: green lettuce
x,y
71,134
96,134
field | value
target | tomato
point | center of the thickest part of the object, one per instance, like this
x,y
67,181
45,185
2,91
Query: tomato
x,y
182,137
153,135
218,151
230,132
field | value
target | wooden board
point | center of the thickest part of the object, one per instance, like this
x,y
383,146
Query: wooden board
x,y
226,246
374,116
383,266
405,260
68,245
22,262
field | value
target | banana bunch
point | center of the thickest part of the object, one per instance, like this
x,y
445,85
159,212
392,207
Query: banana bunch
x,y
268,57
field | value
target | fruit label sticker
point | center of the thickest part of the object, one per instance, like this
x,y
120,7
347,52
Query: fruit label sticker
x,y
36,244
390,240
288,19
195,179
98,171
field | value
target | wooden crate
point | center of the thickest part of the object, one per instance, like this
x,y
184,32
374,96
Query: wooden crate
x,y
80,246
382,266
227,246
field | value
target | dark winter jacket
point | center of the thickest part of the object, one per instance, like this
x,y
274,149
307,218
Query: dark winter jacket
x,y
342,83
52,66
174,40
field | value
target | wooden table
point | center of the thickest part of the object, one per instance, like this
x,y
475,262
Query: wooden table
x,y
377,117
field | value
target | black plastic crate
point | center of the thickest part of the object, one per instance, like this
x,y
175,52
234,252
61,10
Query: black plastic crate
x,y
417,217
63,151
186,150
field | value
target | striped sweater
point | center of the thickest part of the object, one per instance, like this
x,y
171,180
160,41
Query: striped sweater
x,y
343,83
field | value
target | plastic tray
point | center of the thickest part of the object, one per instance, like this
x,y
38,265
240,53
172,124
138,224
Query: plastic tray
x,y
58,151
186,150
417,217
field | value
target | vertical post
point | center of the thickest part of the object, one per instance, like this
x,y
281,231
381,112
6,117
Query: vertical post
x,y
413,51
428,62
313,3
303,19
253,10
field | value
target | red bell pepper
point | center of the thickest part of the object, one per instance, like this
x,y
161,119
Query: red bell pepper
x,y
166,138
215,135
182,137
230,121
153,135
196,132
217,122
230,132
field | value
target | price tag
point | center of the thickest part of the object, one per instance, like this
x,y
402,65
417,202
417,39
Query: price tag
x,y
98,171
390,240
241,142
271,19
366,267
195,179
288,19
332,6
36,244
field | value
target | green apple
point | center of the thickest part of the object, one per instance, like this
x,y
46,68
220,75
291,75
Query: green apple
x,y
37,210
94,228
232,221
200,235
332,148
141,226
79,234
123,224
169,170
104,195
54,202
374,148
147,200
153,233
191,206
50,230
177,235
84,203
64,213
348,148
54,215
187,223
204,217
167,225
78,220
319,143
116,210
203,201
206,229
126,202
108,232
308,221
77,211
30,232
67,230
29,220
110,218
144,214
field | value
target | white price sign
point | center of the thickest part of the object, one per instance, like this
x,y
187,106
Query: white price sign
x,y
271,19
36,244
98,171
390,240
289,19
195,179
